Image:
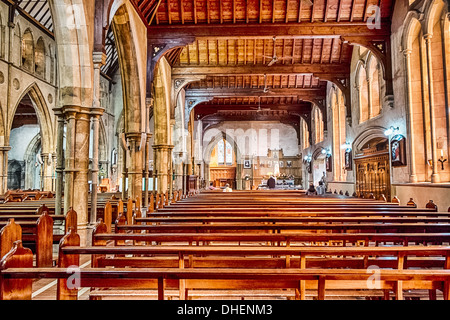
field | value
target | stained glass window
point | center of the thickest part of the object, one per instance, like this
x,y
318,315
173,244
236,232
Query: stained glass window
x,y
229,154
224,153
221,152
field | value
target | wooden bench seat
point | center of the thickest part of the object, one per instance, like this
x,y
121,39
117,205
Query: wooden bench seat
x,y
278,219
282,227
280,239
169,278
144,294
274,213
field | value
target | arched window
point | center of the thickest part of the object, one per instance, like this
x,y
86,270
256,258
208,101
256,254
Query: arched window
x,y
2,39
40,58
28,51
224,153
438,74
305,134
17,45
318,125
363,91
374,79
51,64
339,135
425,59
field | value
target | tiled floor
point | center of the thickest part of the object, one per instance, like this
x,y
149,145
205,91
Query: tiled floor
x,y
45,289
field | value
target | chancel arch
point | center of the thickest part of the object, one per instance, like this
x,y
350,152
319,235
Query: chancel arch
x,y
31,117
223,160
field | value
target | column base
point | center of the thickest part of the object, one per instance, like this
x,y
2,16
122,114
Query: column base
x,y
85,233
435,178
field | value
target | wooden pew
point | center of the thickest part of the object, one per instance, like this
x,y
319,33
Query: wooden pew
x,y
279,219
14,272
286,239
39,233
282,227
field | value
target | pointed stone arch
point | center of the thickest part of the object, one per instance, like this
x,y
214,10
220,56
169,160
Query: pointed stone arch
x,y
43,113
127,52
212,143
30,166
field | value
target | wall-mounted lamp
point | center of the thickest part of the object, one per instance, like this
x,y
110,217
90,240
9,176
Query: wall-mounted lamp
x,y
442,160
327,152
347,146
391,131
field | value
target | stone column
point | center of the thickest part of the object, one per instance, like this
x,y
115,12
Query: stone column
x,y
99,59
59,163
69,160
47,171
94,170
80,182
170,174
76,187
54,161
2,176
239,185
206,174
338,157
124,172
146,170
369,94
135,166
163,157
154,173
435,178
184,178
410,118
4,168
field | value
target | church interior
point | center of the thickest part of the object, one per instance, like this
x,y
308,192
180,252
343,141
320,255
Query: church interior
x,y
137,115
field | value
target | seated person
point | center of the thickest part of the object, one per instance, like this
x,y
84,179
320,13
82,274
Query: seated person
x,y
311,190
320,188
227,188
211,186
271,183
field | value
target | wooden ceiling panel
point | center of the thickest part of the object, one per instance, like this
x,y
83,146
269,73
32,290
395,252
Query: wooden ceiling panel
x,y
245,47
256,81
260,52
260,11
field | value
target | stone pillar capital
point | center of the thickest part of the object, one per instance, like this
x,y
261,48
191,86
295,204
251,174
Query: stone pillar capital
x,y
149,102
96,113
99,58
407,52
162,147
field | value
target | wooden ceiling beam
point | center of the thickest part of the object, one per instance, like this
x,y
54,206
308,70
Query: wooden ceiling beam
x,y
289,30
300,93
315,69
236,106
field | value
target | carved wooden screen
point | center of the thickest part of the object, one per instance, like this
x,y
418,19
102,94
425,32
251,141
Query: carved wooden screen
x,y
372,175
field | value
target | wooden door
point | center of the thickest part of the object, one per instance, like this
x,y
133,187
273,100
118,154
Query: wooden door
x,y
372,176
